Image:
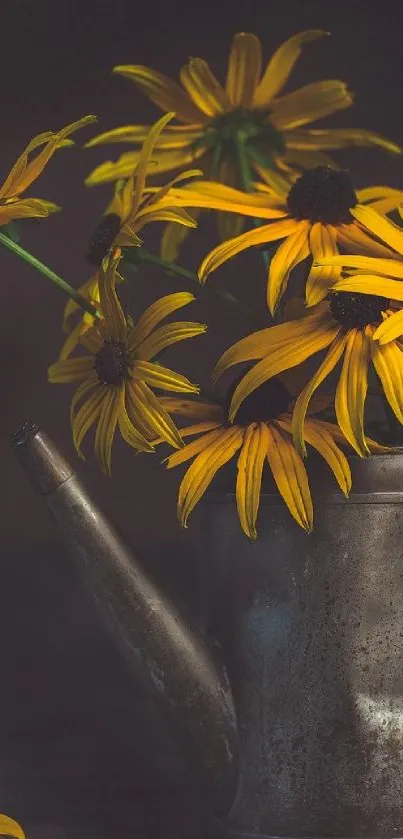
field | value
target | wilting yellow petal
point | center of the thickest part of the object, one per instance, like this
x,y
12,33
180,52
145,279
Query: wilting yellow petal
x,y
27,208
130,433
168,214
257,236
144,159
200,474
9,827
249,476
114,319
373,265
388,363
156,313
367,284
352,390
70,370
214,195
309,103
203,88
333,355
194,448
290,253
281,65
162,91
192,408
339,138
173,137
290,476
161,377
383,199
380,226
354,239
244,68
169,334
317,435
391,328
323,243
86,416
106,427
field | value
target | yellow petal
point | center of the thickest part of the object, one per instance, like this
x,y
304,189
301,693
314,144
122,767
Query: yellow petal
x,y
144,158
169,334
303,159
290,476
162,91
290,253
280,359
200,474
309,103
173,237
155,313
161,377
281,65
367,284
367,264
265,341
91,382
214,195
333,355
244,68
9,827
130,433
380,226
115,321
323,243
194,448
27,208
86,416
159,192
173,136
388,363
203,88
106,427
355,240
257,236
249,477
162,161
391,328
352,390
70,370
339,138
317,435
168,214
383,199
192,408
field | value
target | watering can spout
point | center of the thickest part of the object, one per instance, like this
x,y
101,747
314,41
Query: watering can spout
x,y
191,686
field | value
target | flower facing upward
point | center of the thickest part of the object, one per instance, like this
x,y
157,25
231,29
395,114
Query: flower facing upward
x,y
261,433
134,206
25,171
345,325
313,218
248,111
117,374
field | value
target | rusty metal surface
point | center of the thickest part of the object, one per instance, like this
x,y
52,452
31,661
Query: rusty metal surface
x,y
312,627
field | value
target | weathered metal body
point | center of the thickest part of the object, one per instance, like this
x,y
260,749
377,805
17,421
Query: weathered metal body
x,y
311,628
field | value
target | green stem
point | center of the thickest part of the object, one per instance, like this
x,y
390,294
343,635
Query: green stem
x,y
144,255
48,273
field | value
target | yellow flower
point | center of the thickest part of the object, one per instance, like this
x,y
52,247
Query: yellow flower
x,y
345,326
9,827
118,373
261,432
25,171
134,205
313,219
248,110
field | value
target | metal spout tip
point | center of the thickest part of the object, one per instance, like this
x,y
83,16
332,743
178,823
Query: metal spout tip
x,y
41,460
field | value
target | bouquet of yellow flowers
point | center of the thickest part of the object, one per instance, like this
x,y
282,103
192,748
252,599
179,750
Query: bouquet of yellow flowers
x,y
332,329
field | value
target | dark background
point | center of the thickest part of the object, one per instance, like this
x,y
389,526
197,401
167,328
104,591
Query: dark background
x,y
83,752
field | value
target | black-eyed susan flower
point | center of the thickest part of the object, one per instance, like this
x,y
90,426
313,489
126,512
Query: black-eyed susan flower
x,y
134,206
314,218
117,374
260,434
27,169
345,326
248,110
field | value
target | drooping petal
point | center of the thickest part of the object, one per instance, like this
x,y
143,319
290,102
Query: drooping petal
x,y
203,88
281,65
174,236
244,68
257,236
289,254
198,477
173,136
86,416
9,827
323,243
27,208
289,473
391,328
214,195
161,377
333,355
114,322
194,448
163,161
354,239
106,427
368,284
383,199
352,390
369,265
318,436
310,103
388,363
130,433
144,159
195,409
156,313
70,370
169,334
162,91
380,226
249,476
169,214
339,138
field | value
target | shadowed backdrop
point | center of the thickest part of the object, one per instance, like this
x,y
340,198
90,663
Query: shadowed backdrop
x,y
83,752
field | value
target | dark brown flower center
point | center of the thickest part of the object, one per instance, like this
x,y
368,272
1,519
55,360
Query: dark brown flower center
x,y
265,403
322,194
102,238
354,310
111,363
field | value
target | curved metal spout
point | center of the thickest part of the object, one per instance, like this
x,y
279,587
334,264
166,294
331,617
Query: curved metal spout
x,y
192,687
